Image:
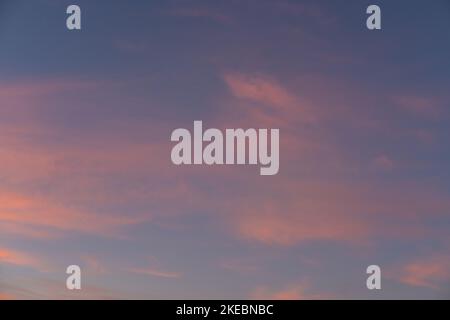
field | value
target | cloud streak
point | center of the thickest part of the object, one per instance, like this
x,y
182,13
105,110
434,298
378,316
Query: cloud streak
x,y
429,272
18,258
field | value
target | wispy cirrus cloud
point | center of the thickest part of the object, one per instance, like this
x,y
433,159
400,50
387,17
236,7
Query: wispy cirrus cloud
x,y
29,212
260,89
267,92
155,268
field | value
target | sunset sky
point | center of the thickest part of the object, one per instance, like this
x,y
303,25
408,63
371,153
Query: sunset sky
x,y
86,176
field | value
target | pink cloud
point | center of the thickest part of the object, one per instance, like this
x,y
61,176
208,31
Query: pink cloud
x,y
301,9
418,105
25,100
298,212
291,292
240,266
155,270
425,136
19,259
429,272
384,162
287,228
202,12
26,211
94,265
52,289
27,231
270,94
259,89
156,273
34,88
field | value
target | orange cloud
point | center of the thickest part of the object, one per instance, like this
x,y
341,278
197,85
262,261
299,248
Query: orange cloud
x,y
6,296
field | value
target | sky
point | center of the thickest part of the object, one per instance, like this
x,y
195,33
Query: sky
x,y
86,176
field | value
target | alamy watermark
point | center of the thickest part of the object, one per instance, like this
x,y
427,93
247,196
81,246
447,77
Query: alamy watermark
x,y
235,146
